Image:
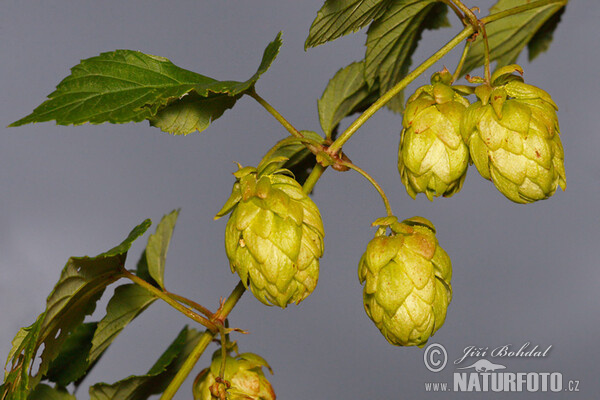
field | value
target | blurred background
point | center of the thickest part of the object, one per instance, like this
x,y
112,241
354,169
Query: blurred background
x,y
521,273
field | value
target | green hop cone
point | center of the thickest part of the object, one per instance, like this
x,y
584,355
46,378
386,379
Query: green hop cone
x,y
406,277
274,236
432,157
513,136
243,379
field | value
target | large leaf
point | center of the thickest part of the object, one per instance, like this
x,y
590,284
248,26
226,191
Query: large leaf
x,y
158,377
340,17
127,303
540,42
72,364
81,284
130,86
344,95
158,245
508,36
393,38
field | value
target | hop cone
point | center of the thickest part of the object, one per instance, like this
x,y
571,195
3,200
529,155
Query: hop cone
x,y
243,379
432,157
513,135
406,277
274,236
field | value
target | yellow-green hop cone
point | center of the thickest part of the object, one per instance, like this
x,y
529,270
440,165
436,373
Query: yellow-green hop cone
x,y
274,236
243,379
513,136
406,277
432,157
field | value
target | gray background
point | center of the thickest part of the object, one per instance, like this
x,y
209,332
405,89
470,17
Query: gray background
x,y
521,273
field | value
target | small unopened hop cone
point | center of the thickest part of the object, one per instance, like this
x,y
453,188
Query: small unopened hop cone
x,y
243,379
406,277
513,136
274,235
432,157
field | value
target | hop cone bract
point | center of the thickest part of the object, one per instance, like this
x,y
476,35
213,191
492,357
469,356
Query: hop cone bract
x,y
274,236
243,379
406,277
513,136
432,157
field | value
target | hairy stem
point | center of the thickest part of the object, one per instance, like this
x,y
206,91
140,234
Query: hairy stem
x,y
375,184
204,341
290,128
188,312
312,179
190,303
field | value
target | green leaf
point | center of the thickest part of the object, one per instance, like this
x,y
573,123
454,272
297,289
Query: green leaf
x,y
540,42
508,36
127,303
45,392
158,377
343,96
130,86
192,113
158,245
81,284
72,364
17,383
340,17
393,38
296,157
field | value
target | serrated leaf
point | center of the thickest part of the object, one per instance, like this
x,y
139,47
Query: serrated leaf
x,y
72,364
130,86
45,392
158,377
158,246
508,36
127,302
295,156
340,17
540,42
344,92
81,284
393,38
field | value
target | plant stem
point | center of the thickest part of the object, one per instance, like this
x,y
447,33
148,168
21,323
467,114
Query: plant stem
x,y
375,184
460,16
190,303
290,128
463,57
462,35
204,341
173,303
312,179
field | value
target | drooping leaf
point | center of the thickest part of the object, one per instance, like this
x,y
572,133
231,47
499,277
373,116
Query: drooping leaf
x,y
81,284
17,383
340,17
130,86
45,392
192,113
127,302
158,245
508,36
344,94
296,157
540,42
141,387
72,364
393,38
